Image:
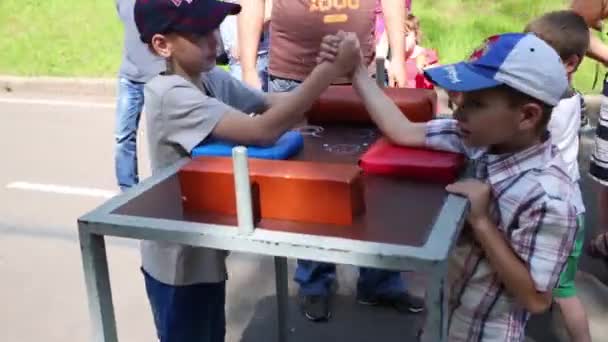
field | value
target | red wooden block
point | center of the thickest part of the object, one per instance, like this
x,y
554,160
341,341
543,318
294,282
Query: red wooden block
x,y
285,190
384,158
341,104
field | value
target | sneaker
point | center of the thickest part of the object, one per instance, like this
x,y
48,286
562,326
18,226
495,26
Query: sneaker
x,y
315,308
404,303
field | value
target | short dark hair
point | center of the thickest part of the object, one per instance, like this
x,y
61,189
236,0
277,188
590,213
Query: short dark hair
x,y
517,98
566,31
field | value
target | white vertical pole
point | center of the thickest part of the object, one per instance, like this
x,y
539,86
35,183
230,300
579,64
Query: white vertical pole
x,y
242,187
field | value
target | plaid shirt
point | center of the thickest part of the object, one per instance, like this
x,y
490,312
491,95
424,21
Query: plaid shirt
x,y
535,206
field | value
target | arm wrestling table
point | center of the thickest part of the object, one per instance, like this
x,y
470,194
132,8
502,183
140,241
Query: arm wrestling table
x,y
407,226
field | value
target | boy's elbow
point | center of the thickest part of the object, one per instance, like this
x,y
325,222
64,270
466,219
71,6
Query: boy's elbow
x,y
264,138
260,134
264,142
395,139
260,139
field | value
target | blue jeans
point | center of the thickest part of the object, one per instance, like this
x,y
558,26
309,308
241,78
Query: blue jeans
x,y
128,111
262,66
191,313
316,278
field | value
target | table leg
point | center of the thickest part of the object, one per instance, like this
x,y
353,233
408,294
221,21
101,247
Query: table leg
x,y
280,271
97,281
436,325
380,76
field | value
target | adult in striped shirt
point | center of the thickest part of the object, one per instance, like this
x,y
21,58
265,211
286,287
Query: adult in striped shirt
x,y
524,206
595,12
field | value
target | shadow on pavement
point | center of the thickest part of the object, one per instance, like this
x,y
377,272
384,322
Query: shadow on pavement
x,y
350,322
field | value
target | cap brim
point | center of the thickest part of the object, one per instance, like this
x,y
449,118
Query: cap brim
x,y
231,8
459,77
215,16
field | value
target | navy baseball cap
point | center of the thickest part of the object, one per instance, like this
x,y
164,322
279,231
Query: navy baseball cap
x,y
521,61
186,16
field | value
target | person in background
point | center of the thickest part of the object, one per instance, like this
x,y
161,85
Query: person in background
x,y
296,31
567,33
417,57
594,12
229,34
382,43
138,66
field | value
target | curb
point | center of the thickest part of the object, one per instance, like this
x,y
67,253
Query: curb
x,y
104,87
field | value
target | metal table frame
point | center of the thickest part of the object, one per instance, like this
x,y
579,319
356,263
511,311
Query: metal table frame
x,y
431,258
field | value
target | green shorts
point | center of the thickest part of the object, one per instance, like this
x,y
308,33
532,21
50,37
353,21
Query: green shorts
x,y
566,286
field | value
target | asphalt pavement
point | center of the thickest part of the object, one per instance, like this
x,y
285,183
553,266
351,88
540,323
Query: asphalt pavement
x,y
58,164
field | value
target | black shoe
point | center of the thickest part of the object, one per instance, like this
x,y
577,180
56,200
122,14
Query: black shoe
x,y
315,308
404,303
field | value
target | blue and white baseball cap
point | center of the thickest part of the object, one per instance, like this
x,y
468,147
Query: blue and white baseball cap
x,y
521,61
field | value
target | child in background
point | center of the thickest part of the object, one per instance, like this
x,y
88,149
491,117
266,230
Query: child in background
x,y
417,57
383,50
568,34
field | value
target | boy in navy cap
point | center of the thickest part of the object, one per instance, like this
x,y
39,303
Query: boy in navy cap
x,y
523,216
191,101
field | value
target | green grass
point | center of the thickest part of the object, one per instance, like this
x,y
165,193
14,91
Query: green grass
x,y
59,37
83,37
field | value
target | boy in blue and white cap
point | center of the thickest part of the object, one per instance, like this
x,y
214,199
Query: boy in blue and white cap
x,y
522,221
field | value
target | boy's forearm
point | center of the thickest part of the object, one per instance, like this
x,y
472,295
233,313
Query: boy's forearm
x,y
510,269
385,113
286,110
250,23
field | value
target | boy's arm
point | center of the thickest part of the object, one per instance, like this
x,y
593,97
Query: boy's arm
x,y
250,24
592,12
282,115
530,262
393,124
598,50
266,129
512,272
394,12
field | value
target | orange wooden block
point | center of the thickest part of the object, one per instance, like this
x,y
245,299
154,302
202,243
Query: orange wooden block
x,y
285,190
341,104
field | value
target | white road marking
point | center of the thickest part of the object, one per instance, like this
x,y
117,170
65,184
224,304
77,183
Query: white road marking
x,y
61,189
17,100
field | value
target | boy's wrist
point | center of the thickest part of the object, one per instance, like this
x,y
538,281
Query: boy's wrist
x,y
331,69
481,223
360,73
